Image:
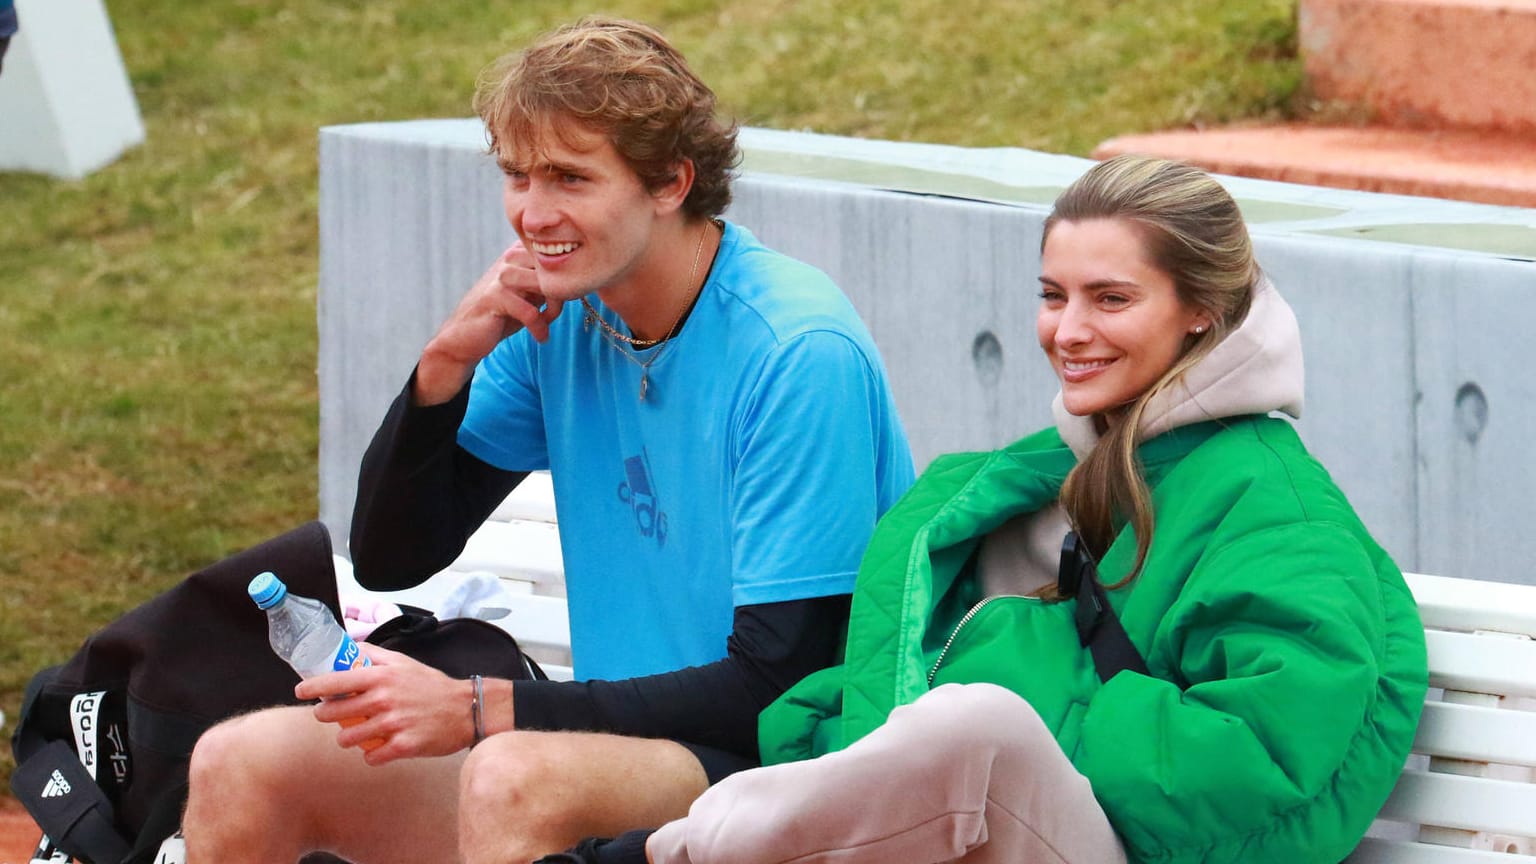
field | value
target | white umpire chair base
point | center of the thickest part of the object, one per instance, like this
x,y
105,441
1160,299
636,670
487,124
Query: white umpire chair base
x,y
66,107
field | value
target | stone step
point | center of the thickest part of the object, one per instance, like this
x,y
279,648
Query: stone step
x,y
1466,165
1425,63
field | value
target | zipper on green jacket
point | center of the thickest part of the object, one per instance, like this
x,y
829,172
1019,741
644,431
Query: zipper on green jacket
x,y
964,620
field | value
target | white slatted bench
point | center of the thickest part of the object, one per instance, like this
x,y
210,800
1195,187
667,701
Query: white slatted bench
x,y
1468,794
1471,784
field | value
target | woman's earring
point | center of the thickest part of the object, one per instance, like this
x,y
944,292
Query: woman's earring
x,y
1199,328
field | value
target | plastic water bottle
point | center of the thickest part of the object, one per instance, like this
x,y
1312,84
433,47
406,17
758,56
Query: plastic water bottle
x,y
306,635
302,631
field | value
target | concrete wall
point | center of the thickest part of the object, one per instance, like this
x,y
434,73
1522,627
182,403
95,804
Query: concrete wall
x,y
1415,397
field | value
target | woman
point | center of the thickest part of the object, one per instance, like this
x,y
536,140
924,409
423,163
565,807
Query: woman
x,y
1284,659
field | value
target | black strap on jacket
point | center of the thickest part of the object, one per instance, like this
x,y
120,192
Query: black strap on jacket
x,y
1098,628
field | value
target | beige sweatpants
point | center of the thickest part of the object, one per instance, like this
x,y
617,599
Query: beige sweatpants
x,y
966,773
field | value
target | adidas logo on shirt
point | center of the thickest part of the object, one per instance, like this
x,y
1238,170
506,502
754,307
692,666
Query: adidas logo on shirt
x,y
57,786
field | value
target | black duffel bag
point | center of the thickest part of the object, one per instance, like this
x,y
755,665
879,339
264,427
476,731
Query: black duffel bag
x,y
103,741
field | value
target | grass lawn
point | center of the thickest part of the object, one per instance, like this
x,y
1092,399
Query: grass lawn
x,y
159,401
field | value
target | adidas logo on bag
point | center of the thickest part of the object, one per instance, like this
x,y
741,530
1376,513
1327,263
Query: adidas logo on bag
x,y
57,786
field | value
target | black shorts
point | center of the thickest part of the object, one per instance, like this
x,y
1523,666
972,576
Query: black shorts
x,y
718,764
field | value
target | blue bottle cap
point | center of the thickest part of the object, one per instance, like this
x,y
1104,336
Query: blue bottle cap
x,y
267,590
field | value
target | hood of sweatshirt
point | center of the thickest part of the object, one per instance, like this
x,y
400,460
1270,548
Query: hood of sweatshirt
x,y
1257,369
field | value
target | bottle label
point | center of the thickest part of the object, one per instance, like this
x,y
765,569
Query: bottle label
x,y
349,656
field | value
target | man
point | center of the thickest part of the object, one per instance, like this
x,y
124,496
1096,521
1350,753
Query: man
x,y
722,439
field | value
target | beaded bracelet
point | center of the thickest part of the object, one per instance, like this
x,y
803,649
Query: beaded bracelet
x,y
474,708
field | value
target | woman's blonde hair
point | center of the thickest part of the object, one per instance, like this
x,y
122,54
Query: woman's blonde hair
x,y
623,80
1191,230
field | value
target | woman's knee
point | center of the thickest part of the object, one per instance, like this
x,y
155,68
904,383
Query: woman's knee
x,y
979,715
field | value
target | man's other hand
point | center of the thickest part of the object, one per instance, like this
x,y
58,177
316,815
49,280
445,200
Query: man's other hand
x,y
504,300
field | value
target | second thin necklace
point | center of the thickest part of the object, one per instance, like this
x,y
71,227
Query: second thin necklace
x,y
613,337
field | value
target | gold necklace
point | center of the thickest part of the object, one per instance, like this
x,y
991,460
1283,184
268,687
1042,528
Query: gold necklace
x,y
612,332
618,340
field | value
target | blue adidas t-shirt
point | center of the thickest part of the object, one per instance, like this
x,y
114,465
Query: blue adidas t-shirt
x,y
753,472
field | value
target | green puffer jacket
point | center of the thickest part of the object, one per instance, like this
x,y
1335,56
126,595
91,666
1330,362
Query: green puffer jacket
x,y
1286,652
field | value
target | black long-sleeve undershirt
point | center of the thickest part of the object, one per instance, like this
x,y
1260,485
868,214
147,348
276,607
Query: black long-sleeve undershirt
x,y
420,496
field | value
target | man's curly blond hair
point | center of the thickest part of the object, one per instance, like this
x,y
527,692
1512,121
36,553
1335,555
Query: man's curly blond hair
x,y
623,80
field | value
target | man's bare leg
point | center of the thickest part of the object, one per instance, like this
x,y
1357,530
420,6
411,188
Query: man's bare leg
x,y
527,794
270,786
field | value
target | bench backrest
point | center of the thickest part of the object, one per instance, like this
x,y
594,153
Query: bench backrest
x,y
1470,788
